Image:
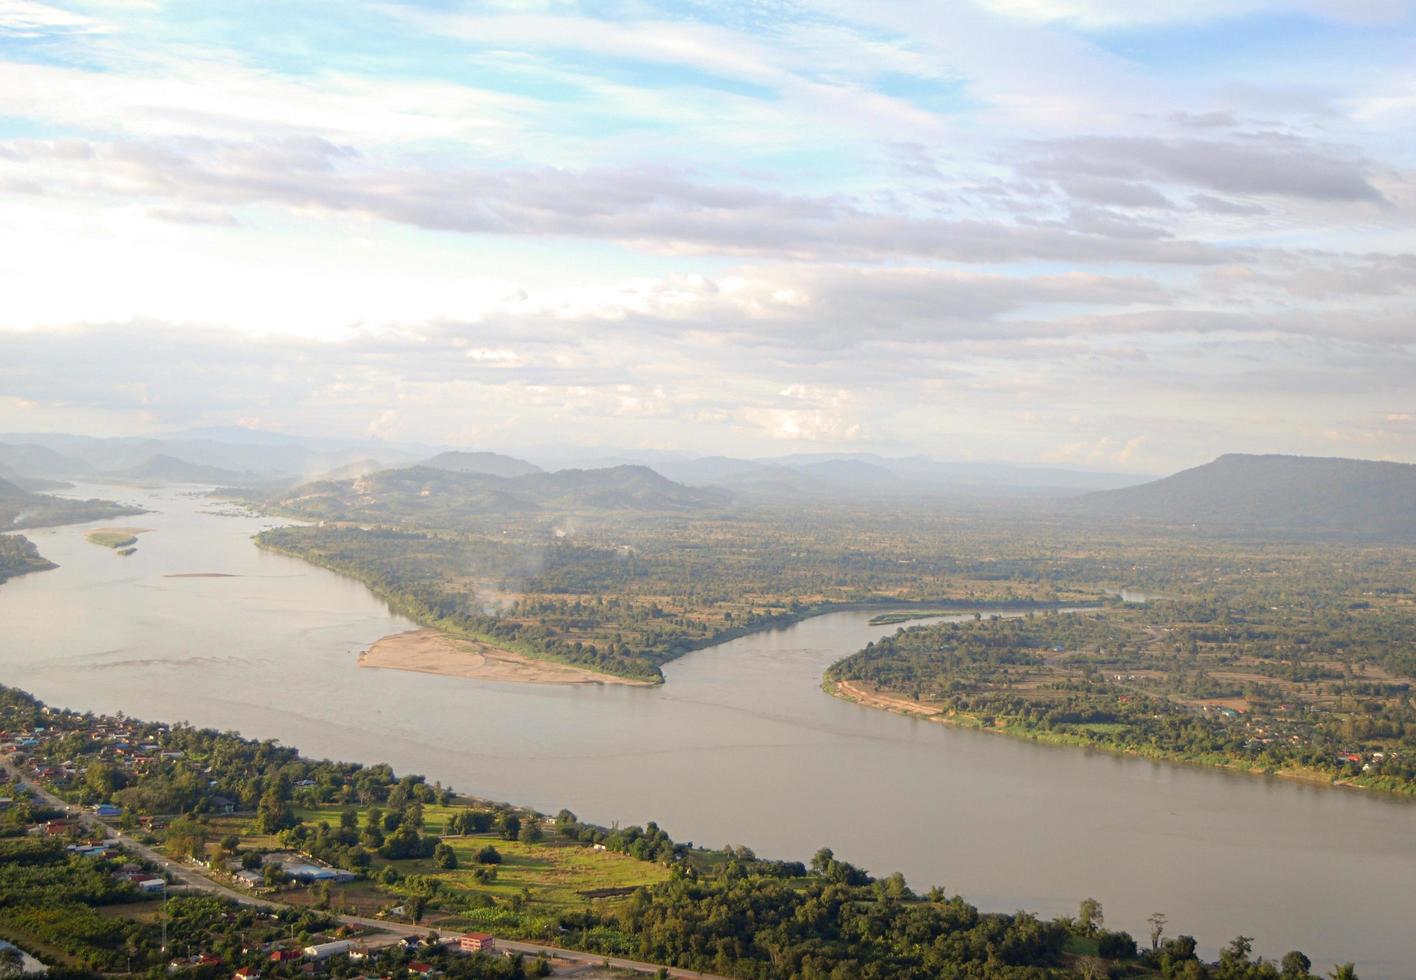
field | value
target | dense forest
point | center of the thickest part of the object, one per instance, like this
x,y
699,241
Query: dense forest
x,y
726,911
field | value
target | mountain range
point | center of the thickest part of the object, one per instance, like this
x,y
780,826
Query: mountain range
x,y
433,497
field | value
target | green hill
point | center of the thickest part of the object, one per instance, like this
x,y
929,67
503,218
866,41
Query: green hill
x,y
1290,496
428,497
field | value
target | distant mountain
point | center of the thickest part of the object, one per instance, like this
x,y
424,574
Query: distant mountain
x,y
616,488
34,484
40,462
267,456
491,464
866,475
11,491
442,498
170,469
1294,496
350,471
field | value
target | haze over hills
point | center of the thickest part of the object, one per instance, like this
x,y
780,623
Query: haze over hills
x,y
491,464
856,475
252,457
31,483
257,455
169,469
1302,496
436,497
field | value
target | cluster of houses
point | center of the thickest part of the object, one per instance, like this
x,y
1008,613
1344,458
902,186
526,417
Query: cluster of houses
x,y
121,743
317,956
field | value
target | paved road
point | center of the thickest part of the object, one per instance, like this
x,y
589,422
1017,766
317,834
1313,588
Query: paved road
x,y
194,879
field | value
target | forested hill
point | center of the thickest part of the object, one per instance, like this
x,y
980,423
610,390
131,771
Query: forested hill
x,y
492,464
430,497
1291,496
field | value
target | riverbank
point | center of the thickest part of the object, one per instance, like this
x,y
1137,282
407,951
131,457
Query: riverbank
x,y
901,705
431,651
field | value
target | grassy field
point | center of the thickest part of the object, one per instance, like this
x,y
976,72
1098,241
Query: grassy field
x,y
533,885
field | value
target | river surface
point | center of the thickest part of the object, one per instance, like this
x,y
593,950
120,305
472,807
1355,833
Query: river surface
x,y
740,746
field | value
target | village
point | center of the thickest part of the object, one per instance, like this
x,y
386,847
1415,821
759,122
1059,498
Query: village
x,y
61,773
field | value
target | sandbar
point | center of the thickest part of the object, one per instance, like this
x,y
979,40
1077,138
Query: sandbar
x,y
431,651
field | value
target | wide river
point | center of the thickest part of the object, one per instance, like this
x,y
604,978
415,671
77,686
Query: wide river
x,y
740,746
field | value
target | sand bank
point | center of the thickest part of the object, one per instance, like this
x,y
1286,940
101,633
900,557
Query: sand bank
x,y
430,651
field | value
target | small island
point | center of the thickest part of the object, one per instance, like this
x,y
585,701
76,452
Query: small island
x,y
123,540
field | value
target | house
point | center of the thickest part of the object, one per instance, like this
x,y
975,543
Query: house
x,y
246,973
477,942
207,959
283,955
151,885
250,878
107,810
420,969
220,804
323,951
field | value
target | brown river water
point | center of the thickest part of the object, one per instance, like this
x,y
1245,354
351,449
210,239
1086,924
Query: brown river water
x,y
740,746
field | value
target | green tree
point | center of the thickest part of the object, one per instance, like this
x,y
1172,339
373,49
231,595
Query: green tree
x,y
510,826
1090,918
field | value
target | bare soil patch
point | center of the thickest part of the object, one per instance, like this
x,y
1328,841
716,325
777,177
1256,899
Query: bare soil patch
x,y
430,651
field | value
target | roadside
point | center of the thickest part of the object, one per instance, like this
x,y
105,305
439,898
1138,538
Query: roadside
x,y
189,877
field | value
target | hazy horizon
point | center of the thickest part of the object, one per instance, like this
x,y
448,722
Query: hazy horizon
x,y
1079,234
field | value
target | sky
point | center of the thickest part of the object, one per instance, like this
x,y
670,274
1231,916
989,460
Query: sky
x,y
1110,235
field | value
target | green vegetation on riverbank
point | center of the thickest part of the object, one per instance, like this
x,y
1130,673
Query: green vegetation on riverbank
x,y
43,510
19,556
1317,689
626,596
455,862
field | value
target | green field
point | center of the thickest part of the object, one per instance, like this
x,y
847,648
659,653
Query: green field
x,y
534,882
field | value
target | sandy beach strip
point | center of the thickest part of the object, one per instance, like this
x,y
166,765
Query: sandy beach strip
x,y
431,651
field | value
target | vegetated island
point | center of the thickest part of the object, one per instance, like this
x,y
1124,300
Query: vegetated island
x,y
430,651
334,847
117,538
19,556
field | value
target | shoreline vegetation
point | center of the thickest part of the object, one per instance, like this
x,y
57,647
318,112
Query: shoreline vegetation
x,y
1246,689
20,556
895,704
336,846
